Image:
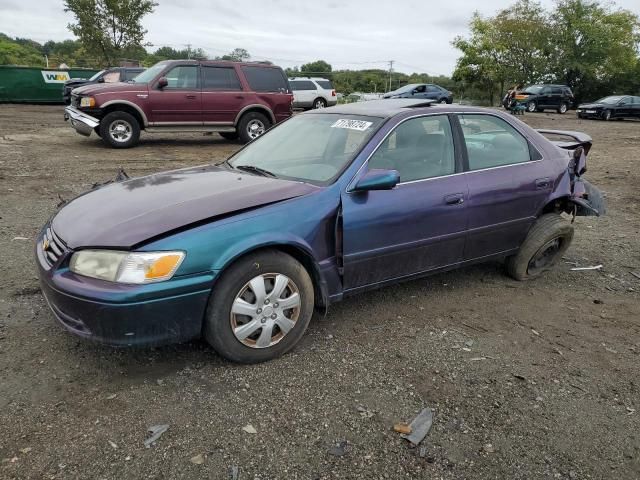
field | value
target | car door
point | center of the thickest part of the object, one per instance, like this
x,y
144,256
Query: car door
x,y
624,108
545,99
433,92
419,225
508,184
179,103
635,110
222,95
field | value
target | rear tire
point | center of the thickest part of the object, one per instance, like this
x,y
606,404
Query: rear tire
x,y
119,130
252,125
563,108
223,326
531,107
319,103
546,242
229,135
443,100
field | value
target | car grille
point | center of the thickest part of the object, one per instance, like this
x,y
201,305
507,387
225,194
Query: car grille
x,y
52,246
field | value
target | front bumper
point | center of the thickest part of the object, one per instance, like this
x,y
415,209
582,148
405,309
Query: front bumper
x,y
588,113
83,123
124,315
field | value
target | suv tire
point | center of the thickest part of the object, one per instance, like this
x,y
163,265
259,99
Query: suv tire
x,y
119,130
229,135
252,125
319,103
562,109
531,107
236,287
544,245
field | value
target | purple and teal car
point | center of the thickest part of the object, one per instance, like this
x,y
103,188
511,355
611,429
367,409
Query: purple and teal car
x,y
329,203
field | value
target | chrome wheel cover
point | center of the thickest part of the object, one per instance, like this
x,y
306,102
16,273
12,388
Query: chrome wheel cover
x,y
255,128
120,131
265,310
319,104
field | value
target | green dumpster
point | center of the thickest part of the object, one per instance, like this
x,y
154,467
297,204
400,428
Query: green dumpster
x,y
35,84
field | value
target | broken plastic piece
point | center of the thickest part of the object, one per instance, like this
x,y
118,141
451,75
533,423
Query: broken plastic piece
x,y
579,269
402,428
156,432
420,426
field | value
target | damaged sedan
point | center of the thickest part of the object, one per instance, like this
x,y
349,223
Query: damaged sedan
x,y
325,205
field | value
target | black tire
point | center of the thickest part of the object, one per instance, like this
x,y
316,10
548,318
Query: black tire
x,y
229,135
244,128
531,106
563,108
539,252
606,115
442,100
218,330
128,122
319,103
96,130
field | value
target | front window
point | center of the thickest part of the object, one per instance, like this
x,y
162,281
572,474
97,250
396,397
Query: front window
x,y
111,77
184,77
533,89
96,76
150,73
407,88
313,148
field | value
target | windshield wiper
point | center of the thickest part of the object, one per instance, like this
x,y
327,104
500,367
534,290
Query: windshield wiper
x,y
254,169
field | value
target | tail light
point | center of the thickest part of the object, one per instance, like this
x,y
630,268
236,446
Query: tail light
x,y
333,93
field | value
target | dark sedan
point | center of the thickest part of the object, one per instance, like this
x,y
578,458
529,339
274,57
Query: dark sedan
x,y
607,108
110,75
427,91
325,205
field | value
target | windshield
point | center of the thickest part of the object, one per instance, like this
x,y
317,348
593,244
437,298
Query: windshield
x,y
97,75
406,88
150,73
609,100
533,89
313,148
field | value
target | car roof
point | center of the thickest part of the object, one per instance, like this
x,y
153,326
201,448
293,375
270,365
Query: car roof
x,y
222,62
392,107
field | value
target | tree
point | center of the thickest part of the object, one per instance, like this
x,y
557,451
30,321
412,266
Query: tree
x,y
593,46
236,55
319,66
109,28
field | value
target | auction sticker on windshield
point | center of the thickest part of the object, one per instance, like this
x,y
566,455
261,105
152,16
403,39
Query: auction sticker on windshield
x,y
359,125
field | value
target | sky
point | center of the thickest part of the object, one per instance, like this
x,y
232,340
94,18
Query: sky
x,y
353,34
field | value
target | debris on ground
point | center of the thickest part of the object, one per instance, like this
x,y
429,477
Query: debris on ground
x,y
420,426
402,428
156,432
488,448
234,472
114,445
535,332
20,238
28,449
637,275
338,449
581,269
111,397
364,412
197,460
250,429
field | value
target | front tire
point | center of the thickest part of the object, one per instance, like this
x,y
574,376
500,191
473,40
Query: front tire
x,y
120,130
252,125
606,115
546,242
531,107
260,308
443,100
563,108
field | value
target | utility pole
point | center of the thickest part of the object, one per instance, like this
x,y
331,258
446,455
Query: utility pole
x,y
188,51
390,72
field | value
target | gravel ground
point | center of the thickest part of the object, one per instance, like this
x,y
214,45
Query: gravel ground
x,y
527,380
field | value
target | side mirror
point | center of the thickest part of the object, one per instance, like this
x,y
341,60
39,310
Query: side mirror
x,y
377,179
162,82
101,80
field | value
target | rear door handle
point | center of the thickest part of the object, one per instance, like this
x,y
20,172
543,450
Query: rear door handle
x,y
190,96
454,199
542,183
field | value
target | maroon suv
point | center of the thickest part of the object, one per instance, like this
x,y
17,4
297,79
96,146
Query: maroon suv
x,y
237,100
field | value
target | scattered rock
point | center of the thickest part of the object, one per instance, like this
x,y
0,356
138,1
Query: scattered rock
x,y
250,429
234,472
339,449
488,448
156,432
402,428
111,397
198,459
28,449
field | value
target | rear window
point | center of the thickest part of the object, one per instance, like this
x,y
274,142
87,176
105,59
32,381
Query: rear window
x,y
326,84
263,79
302,85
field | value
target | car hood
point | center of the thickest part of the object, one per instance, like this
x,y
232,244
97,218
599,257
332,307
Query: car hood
x,y
125,214
77,82
98,88
591,105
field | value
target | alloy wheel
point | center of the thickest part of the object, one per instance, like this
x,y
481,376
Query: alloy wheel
x,y
255,128
319,104
265,309
120,131
531,107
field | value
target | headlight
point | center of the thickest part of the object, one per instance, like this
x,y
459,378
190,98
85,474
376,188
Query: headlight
x,y
87,102
126,267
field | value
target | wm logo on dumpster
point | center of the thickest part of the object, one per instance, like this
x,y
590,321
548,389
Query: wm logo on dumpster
x,y
54,77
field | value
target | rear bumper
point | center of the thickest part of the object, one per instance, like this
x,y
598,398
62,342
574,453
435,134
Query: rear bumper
x,y
83,123
124,315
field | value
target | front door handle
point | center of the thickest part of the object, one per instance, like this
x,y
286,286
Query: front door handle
x,y
191,97
454,199
542,183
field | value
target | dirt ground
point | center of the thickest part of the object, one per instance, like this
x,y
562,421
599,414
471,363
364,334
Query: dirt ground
x,y
527,380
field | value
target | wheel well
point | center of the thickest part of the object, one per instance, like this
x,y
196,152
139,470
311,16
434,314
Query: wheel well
x,y
262,110
557,205
307,261
125,108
